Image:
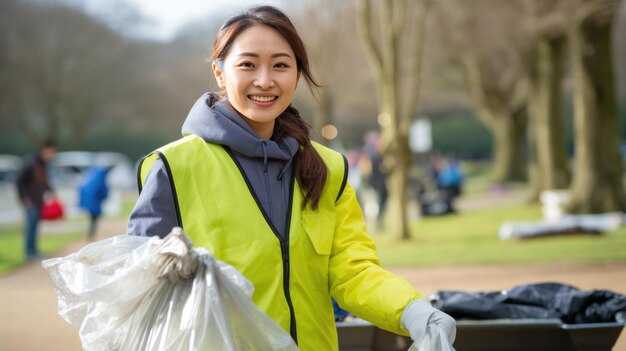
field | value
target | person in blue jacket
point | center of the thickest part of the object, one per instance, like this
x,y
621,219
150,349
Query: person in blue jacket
x,y
93,191
450,180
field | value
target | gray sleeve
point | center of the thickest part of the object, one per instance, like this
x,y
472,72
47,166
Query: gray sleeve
x,y
155,212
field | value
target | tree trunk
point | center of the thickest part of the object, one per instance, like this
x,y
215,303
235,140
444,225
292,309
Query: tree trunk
x,y
397,183
506,120
397,159
384,61
549,148
508,148
597,184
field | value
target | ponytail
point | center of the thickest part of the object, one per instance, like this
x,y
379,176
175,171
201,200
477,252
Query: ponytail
x,y
311,172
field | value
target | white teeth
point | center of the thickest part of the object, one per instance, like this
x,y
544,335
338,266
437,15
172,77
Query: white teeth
x,y
262,98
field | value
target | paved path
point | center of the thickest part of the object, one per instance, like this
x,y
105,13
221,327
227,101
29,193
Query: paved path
x,y
29,310
28,305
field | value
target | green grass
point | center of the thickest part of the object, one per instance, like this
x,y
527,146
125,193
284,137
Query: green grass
x,y
12,246
471,239
479,178
128,203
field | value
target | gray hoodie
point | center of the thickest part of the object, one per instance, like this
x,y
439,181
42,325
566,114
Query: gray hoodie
x,y
266,164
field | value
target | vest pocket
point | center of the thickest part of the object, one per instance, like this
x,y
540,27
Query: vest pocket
x,y
320,228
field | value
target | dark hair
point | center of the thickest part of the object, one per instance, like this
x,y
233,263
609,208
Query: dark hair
x,y
311,172
48,143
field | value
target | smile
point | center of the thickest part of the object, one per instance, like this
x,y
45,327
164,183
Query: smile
x,y
262,98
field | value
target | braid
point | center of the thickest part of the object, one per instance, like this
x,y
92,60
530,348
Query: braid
x,y
311,172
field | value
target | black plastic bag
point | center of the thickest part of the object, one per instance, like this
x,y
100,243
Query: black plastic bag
x,y
542,300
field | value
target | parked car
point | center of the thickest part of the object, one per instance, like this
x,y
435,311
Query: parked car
x,y
9,168
68,166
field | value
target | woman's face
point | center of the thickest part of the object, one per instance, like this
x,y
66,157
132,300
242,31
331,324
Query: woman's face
x,y
260,76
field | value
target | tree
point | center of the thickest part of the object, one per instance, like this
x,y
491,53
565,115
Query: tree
x,y
68,71
328,17
502,107
597,184
383,42
546,33
492,66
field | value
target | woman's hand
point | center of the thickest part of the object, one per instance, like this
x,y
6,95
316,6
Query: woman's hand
x,y
419,314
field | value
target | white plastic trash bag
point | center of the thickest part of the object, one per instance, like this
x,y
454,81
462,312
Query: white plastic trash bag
x,y
140,293
434,340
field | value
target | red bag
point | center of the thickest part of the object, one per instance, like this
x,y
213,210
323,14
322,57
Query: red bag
x,y
52,210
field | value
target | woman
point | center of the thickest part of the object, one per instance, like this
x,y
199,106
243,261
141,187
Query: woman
x,y
247,183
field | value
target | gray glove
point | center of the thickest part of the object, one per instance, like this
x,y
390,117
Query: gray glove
x,y
419,314
176,259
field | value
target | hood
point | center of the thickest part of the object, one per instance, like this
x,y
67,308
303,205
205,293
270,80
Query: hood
x,y
216,121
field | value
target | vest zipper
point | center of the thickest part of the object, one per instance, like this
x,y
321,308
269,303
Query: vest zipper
x,y
284,242
268,193
285,251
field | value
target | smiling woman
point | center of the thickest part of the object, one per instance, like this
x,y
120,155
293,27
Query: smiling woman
x,y
259,76
257,60
247,183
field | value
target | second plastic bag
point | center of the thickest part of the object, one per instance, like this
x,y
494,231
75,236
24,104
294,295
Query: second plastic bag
x,y
434,340
138,293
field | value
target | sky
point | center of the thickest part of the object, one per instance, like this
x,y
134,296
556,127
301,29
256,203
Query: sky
x,y
170,15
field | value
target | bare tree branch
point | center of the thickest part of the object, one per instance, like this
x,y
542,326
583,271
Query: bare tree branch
x,y
399,16
599,11
389,40
411,100
365,27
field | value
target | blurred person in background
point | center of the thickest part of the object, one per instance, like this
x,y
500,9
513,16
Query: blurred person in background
x,y
432,169
355,176
32,185
247,183
450,179
377,179
93,190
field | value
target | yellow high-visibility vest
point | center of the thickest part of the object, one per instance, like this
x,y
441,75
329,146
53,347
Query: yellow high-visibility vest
x,y
324,252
